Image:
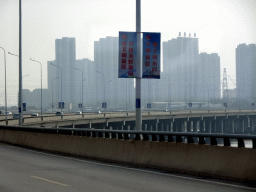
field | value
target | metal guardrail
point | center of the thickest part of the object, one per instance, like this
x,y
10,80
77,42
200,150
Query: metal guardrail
x,y
160,136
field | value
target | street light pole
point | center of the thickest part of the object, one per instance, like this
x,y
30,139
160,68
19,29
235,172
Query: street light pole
x,y
60,84
82,87
41,88
103,86
169,95
52,91
138,122
5,84
20,67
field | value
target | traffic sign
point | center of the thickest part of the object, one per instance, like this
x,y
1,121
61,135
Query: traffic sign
x,y
151,65
137,103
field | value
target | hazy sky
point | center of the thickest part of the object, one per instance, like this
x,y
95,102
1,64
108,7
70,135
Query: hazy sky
x,y
220,26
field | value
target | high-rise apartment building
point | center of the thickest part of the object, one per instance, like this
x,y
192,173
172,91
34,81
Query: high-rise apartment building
x,y
245,72
116,92
180,59
208,77
190,75
65,50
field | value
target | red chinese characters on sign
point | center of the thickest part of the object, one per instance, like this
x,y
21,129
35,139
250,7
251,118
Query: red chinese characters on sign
x,y
154,57
124,37
147,63
148,37
124,55
130,61
154,69
124,43
148,50
147,57
123,60
130,49
127,54
130,67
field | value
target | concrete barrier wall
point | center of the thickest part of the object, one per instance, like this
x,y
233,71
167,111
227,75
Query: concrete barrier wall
x,y
234,163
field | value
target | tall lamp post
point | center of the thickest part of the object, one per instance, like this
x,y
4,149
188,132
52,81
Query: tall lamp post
x,y
52,91
41,88
5,84
20,89
82,87
104,85
60,84
169,95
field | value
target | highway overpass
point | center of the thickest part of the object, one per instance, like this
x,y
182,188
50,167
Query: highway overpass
x,y
229,121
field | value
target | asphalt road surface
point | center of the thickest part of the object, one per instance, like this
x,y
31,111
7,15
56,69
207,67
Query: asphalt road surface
x,y
26,170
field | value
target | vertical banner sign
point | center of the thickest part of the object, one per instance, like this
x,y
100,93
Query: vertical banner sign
x,y
151,55
127,54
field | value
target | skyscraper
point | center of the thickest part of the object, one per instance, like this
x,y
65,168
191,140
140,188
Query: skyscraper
x,y
208,76
65,49
245,72
180,58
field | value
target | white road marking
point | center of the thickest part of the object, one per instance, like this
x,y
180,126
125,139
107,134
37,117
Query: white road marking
x,y
43,179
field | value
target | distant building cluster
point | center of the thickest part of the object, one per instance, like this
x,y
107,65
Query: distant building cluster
x,y
187,76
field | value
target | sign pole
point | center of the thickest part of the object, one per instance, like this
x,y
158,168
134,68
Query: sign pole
x,y
138,122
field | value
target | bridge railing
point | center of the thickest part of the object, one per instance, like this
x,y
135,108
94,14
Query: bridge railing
x,y
213,139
